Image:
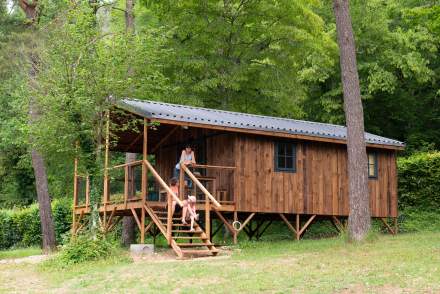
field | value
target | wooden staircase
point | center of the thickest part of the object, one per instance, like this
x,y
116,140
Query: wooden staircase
x,y
184,242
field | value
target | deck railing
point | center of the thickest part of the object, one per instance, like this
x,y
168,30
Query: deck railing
x,y
81,180
208,196
129,182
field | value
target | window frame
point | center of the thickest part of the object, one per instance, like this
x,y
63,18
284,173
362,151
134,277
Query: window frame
x,y
292,155
376,168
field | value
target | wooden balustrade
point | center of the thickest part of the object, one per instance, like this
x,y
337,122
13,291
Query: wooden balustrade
x,y
201,187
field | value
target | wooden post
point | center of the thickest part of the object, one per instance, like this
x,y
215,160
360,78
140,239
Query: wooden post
x,y
144,179
106,159
126,169
208,211
87,191
75,192
208,218
181,184
235,231
75,183
144,168
297,227
169,217
73,223
142,225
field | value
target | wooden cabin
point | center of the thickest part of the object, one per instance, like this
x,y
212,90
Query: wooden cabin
x,y
251,169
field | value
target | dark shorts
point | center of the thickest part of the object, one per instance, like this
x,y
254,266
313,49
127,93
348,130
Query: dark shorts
x,y
178,209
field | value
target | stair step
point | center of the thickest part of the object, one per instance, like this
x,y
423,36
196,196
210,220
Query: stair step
x,y
192,244
161,212
165,218
187,231
180,225
190,237
195,251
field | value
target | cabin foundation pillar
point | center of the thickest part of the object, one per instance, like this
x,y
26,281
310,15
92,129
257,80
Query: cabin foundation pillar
x,y
235,233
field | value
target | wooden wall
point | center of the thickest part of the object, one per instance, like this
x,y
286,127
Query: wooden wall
x,y
220,151
319,185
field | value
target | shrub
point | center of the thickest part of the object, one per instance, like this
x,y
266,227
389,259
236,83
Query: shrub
x,y
21,227
86,248
8,232
419,181
417,220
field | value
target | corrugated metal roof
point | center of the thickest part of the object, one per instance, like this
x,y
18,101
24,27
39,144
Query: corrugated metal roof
x,y
183,113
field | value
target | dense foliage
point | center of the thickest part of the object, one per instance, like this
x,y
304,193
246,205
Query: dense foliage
x,y
86,248
21,227
275,57
419,181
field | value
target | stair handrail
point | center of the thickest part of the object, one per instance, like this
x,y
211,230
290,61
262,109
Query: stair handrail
x,y
162,182
200,185
131,163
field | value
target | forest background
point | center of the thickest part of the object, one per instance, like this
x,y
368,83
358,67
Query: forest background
x,y
277,58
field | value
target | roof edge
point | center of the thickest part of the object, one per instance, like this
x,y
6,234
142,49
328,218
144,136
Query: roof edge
x,y
275,132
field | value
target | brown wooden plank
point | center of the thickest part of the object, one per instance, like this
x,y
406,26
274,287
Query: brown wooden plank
x,y
394,179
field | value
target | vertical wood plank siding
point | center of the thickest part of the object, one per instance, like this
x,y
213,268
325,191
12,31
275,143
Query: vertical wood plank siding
x,y
319,185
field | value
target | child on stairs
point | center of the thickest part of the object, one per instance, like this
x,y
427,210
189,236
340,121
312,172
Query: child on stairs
x,y
189,212
174,186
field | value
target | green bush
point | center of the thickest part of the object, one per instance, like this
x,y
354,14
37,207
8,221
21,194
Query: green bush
x,y
86,248
8,232
417,220
21,227
419,181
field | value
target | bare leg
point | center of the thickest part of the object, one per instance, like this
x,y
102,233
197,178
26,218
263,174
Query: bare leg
x,y
192,223
184,211
173,208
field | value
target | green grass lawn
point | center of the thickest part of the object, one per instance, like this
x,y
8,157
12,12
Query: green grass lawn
x,y
20,252
406,263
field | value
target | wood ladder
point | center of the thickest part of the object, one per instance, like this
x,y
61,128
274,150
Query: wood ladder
x,y
184,242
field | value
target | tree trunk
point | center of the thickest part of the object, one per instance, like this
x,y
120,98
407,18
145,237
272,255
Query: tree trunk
x,y
359,216
128,224
129,16
47,225
128,221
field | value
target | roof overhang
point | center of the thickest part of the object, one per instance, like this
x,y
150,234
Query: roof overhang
x,y
201,122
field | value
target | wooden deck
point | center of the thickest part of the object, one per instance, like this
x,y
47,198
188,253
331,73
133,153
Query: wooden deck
x,y
125,208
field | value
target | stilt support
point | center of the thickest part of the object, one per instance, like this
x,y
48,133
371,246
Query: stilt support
x,y
298,231
393,231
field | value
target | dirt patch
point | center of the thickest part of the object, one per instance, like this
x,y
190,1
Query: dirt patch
x,y
168,255
386,289
33,259
20,279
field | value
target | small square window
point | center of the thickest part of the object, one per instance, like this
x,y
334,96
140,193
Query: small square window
x,y
285,157
372,165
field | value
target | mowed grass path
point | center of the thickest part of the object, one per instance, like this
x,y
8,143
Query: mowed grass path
x,y
402,264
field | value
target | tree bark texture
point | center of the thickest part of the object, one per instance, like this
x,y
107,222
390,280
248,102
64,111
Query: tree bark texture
x,y
129,16
128,225
38,164
359,216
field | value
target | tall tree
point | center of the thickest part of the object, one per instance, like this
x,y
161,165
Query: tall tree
x,y
252,56
359,216
128,224
31,10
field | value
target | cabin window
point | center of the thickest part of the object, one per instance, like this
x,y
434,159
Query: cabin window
x,y
285,157
372,165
